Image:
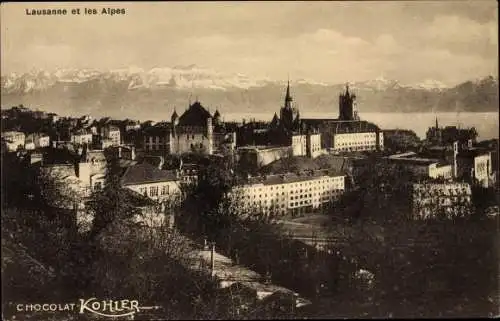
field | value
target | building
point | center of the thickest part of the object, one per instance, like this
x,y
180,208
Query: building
x,y
422,167
347,133
283,132
14,140
91,170
258,156
431,200
157,139
448,135
347,106
111,133
189,174
81,137
146,179
37,140
475,166
192,131
29,143
279,194
289,115
132,125
150,214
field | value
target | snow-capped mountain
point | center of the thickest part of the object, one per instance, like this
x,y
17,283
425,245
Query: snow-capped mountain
x,y
431,84
377,84
180,77
132,90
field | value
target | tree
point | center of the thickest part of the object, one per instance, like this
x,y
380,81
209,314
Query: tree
x,y
110,203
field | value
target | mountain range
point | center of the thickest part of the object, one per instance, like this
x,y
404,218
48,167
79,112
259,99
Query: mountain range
x,y
152,94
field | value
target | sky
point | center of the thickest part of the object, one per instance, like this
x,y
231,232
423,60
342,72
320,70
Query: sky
x,y
332,42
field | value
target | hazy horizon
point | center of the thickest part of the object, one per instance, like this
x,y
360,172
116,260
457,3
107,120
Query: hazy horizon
x,y
331,42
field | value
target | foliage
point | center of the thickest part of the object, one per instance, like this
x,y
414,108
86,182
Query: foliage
x,y
111,203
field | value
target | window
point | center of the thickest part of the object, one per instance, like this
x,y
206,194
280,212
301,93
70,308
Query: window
x,y
97,186
153,191
143,191
164,190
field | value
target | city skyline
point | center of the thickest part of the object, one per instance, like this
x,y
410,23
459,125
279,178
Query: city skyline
x,y
331,42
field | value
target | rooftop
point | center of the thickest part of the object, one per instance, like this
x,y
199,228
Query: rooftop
x,y
292,177
196,115
260,147
343,126
146,173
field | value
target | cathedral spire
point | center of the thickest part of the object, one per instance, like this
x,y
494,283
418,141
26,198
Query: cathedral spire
x,y
347,89
437,126
288,97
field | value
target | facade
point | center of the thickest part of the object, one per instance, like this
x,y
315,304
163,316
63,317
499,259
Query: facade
x,y
189,174
91,170
280,194
157,140
111,133
474,165
42,141
147,180
430,200
81,137
423,167
313,145
14,140
299,145
357,141
306,145
29,143
37,140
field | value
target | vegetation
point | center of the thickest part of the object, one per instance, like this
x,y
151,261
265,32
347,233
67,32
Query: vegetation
x,y
117,258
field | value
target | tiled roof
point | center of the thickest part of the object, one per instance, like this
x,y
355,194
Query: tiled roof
x,y
146,173
196,115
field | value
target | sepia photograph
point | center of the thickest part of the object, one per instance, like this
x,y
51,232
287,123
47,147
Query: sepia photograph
x,y
213,160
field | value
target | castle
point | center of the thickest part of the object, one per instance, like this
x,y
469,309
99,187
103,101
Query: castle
x,y
195,131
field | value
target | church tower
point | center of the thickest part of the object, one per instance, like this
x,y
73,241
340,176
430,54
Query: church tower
x,y
286,112
174,119
346,105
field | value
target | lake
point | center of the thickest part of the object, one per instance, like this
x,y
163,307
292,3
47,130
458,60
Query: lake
x,y
486,123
